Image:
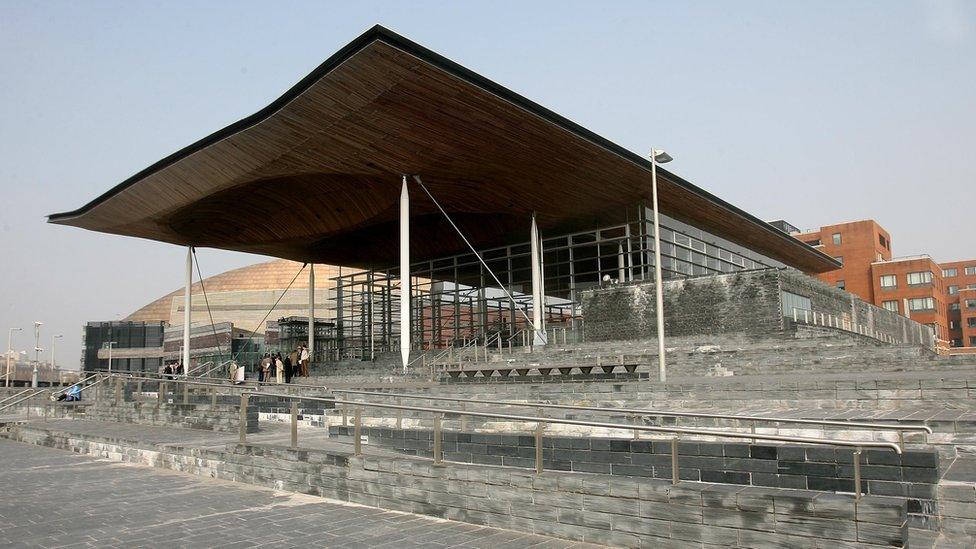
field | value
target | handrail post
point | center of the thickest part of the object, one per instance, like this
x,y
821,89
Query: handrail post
x,y
160,391
437,439
539,428
464,419
118,390
186,392
901,440
139,387
294,424
399,414
857,473
213,398
242,430
674,460
357,430
345,414
635,419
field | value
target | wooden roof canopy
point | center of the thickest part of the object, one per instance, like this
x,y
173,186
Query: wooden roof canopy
x,y
315,176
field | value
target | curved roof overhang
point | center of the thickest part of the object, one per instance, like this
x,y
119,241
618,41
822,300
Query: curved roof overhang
x,y
315,176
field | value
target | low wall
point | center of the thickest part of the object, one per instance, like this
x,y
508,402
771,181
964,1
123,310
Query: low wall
x,y
207,417
913,474
829,300
612,510
747,302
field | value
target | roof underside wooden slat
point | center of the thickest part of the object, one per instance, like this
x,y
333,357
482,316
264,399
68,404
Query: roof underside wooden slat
x,y
316,176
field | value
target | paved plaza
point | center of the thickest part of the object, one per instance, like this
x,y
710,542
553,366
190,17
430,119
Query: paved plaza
x,y
55,499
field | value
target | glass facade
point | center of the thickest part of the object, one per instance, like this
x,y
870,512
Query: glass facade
x,y
456,300
125,335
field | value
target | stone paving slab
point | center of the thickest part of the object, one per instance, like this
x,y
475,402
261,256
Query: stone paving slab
x,y
56,499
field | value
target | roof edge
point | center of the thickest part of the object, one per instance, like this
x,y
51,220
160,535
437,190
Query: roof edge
x,y
379,32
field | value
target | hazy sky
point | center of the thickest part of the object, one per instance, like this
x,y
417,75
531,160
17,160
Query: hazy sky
x,y
816,112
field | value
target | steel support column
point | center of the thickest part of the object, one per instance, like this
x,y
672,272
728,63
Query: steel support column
x,y
538,294
404,275
187,304
311,311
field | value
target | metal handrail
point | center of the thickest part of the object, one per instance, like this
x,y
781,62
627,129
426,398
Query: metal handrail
x,y
541,423
27,390
28,397
79,383
199,367
215,367
837,322
177,380
646,412
606,425
215,382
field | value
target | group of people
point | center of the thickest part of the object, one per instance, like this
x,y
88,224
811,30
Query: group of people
x,y
170,371
278,369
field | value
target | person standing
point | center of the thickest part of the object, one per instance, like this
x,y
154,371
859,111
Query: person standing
x,y
266,368
289,369
238,374
303,359
279,369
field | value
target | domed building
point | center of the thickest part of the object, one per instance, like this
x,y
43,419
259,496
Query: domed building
x,y
236,312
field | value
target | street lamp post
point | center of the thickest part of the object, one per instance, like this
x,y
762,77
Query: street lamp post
x,y
54,339
10,336
37,351
110,344
658,157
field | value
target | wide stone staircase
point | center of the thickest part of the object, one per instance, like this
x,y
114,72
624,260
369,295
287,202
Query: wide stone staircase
x,y
767,433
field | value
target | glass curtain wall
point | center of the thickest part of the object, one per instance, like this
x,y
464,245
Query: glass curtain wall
x,y
456,301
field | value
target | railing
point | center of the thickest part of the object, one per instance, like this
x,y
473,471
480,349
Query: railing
x,y
215,367
211,382
814,318
33,393
900,428
199,367
80,383
12,397
541,423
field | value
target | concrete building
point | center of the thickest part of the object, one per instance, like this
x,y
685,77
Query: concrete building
x,y
934,294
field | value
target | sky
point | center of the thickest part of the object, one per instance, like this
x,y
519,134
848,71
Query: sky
x,y
813,112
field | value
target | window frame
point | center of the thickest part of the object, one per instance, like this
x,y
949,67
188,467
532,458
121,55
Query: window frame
x,y
893,278
921,275
929,303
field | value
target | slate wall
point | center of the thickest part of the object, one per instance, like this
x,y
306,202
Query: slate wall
x,y
610,510
747,303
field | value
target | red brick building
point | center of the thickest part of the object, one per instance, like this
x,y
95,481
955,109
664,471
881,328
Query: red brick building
x,y
942,296
959,278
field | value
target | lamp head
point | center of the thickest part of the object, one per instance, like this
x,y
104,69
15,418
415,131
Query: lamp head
x,y
660,156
